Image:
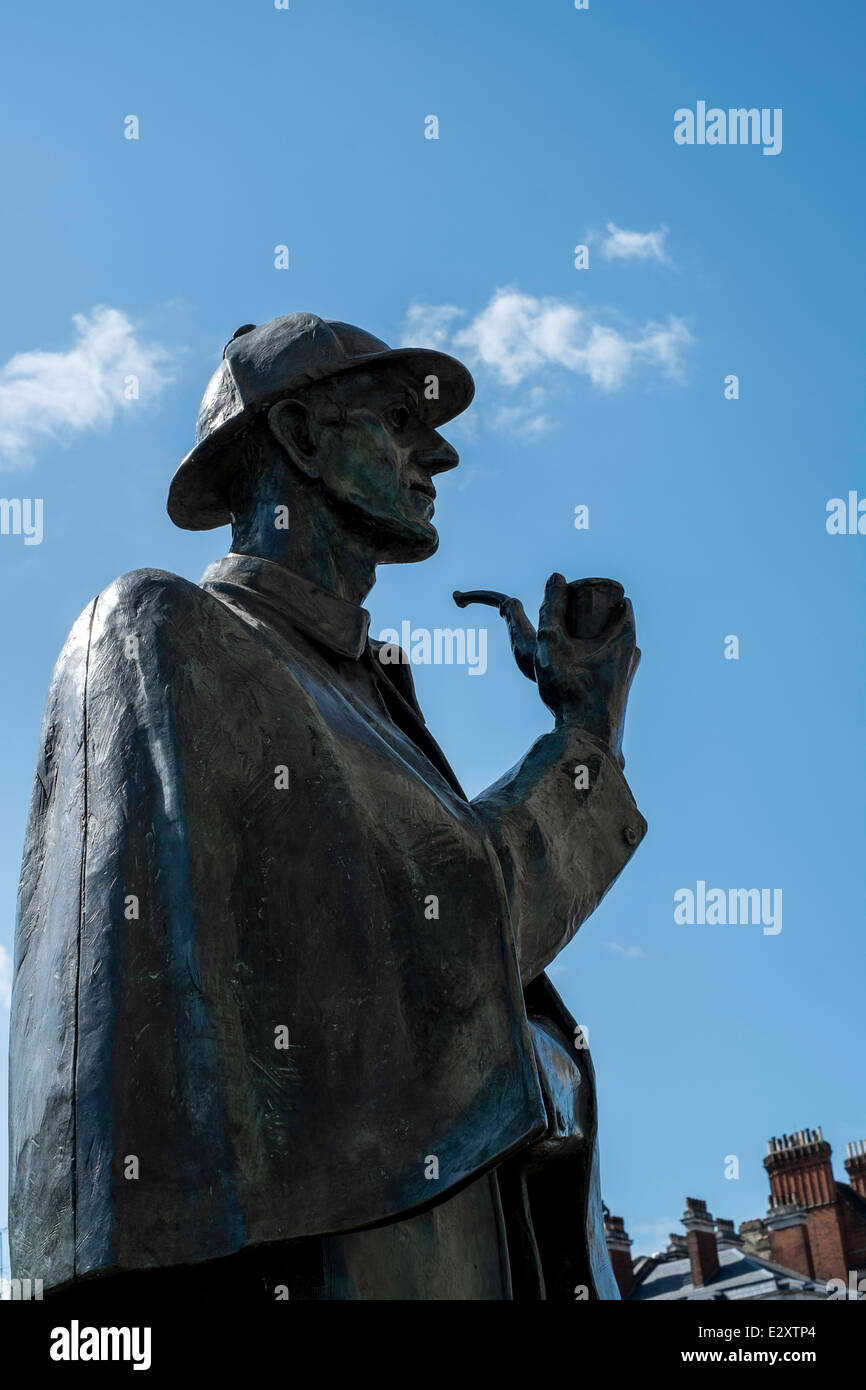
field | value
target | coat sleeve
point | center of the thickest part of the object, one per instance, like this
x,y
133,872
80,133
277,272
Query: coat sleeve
x,y
564,825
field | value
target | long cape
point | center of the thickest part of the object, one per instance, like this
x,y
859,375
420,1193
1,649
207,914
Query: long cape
x,y
237,1015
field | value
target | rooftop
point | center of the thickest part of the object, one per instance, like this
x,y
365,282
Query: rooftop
x,y
740,1275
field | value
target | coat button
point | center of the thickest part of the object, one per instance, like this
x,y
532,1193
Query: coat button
x,y
630,835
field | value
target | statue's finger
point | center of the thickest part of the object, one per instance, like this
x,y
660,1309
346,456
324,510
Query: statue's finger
x,y
522,635
552,617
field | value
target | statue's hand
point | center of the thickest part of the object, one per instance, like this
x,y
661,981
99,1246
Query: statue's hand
x,y
586,656
583,655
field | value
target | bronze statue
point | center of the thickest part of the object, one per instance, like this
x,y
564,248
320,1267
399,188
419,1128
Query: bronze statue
x,y
280,1017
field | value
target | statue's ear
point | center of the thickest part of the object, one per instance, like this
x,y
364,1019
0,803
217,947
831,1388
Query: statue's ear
x,y
290,423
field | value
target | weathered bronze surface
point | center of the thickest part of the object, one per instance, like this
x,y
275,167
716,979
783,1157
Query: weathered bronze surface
x,y
280,1012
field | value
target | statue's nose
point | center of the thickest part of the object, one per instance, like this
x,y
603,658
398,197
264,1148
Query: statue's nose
x,y
438,459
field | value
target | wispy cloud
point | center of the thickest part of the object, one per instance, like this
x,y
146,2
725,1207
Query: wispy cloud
x,y
49,395
526,420
517,336
630,952
5,978
428,325
620,245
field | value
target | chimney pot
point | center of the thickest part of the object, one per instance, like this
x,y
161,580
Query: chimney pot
x,y
855,1166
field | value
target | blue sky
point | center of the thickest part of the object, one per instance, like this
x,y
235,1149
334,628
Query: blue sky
x,y
602,387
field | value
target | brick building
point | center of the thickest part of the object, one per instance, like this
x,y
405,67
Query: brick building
x,y
814,1231
815,1224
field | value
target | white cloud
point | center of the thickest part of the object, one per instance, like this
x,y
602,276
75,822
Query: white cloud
x,y
620,245
48,395
428,325
5,977
526,420
517,336
630,952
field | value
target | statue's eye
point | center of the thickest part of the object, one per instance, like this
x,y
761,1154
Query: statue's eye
x,y
399,417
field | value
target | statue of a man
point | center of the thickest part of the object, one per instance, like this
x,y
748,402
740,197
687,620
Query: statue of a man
x,y
280,1017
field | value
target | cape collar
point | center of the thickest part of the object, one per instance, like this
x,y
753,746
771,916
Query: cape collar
x,y
330,620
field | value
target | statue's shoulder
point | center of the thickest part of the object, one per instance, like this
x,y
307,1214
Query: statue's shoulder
x,y
151,600
150,589
157,609
147,614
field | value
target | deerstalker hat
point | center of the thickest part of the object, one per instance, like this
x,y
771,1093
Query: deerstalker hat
x,y
264,364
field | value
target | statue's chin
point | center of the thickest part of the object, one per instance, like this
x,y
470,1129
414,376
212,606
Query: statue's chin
x,y
409,551
392,536
404,543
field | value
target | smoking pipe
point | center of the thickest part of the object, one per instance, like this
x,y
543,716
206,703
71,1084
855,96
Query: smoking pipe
x,y
591,603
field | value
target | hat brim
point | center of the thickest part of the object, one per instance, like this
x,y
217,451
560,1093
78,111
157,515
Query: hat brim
x,y
197,497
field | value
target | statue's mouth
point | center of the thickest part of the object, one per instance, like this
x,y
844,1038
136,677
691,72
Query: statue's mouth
x,y
428,491
427,488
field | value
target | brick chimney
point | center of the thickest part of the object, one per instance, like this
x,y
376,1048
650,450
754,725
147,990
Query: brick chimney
x,y
701,1241
855,1165
789,1235
619,1249
799,1166
726,1236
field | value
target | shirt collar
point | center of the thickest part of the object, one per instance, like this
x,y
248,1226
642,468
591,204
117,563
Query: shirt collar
x,y
330,620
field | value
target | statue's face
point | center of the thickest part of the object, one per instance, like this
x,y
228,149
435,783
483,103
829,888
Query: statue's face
x,y
377,459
